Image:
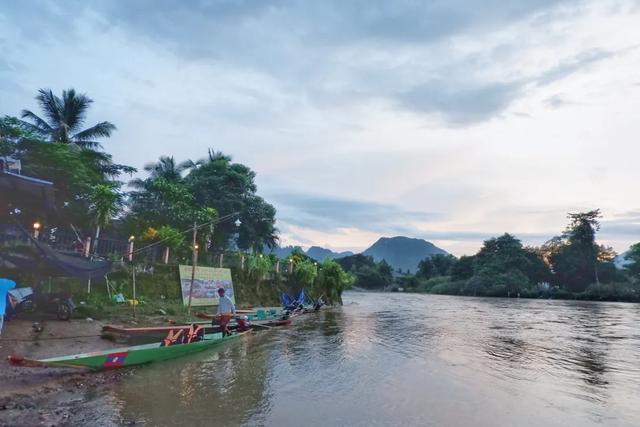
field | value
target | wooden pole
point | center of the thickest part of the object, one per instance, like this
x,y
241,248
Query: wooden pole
x,y
194,261
87,247
89,285
106,279
221,260
133,273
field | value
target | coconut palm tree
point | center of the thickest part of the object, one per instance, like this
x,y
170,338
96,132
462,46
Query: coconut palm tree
x,y
64,118
166,168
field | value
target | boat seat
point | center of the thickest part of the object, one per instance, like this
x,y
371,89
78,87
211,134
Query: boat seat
x,y
173,337
195,333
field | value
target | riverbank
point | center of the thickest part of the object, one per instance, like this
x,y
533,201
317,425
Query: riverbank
x,y
627,291
33,396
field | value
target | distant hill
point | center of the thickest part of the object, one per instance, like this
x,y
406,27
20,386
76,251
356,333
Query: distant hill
x,y
315,252
620,262
403,252
282,252
319,254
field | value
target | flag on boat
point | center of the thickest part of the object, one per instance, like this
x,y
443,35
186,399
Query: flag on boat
x,y
115,360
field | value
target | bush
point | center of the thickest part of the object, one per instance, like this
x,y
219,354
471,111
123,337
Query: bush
x,y
428,285
447,288
610,292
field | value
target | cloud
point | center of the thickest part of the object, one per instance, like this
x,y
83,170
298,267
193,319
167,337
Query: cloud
x,y
327,213
422,103
556,101
460,105
570,66
336,53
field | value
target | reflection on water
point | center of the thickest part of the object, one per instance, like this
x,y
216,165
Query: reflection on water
x,y
398,359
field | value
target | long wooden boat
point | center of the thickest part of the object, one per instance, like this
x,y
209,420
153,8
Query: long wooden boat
x,y
127,356
142,335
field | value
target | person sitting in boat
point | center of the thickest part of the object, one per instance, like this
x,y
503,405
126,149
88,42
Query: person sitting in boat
x,y
226,310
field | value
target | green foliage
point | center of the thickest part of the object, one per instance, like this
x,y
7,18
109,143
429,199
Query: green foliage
x,y
173,238
575,257
505,262
304,273
366,272
74,170
633,255
230,187
436,265
258,266
331,281
213,184
615,291
435,282
463,268
444,287
105,202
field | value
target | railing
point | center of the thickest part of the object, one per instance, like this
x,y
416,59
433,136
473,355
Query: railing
x,y
118,249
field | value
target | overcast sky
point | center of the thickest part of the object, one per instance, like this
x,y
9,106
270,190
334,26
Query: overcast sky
x,y
447,120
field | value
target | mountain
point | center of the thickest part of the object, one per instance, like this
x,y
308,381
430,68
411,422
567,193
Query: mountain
x,y
403,252
319,254
620,262
315,252
281,252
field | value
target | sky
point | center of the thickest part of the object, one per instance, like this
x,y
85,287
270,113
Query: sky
x,y
452,121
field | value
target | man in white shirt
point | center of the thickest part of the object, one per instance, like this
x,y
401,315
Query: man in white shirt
x,y
226,310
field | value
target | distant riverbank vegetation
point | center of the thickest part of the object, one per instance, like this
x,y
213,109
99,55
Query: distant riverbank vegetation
x,y
99,199
571,265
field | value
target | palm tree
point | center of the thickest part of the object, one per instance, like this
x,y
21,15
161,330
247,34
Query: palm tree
x,y
167,168
212,156
63,119
105,203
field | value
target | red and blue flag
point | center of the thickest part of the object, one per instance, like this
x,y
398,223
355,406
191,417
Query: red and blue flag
x,y
115,360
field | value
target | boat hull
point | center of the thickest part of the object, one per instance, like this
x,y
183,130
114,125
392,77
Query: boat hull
x,y
125,357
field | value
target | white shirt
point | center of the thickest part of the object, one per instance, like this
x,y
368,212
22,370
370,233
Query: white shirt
x,y
225,305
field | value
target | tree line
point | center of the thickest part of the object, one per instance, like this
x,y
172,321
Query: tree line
x,y
93,194
571,264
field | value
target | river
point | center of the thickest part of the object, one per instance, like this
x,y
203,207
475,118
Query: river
x,y
405,360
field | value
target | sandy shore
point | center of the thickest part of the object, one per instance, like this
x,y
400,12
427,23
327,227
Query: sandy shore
x,y
55,397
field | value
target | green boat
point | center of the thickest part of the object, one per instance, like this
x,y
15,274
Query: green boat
x,y
127,356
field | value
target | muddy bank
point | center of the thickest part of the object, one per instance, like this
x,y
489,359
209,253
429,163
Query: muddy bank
x,y
52,397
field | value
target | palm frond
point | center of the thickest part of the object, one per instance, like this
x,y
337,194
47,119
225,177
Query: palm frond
x,y
88,144
218,155
51,105
38,125
186,165
101,130
137,183
74,108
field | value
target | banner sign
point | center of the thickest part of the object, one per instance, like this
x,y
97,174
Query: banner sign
x,y
205,285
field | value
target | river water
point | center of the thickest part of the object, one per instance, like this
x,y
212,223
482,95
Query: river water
x,y
405,360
